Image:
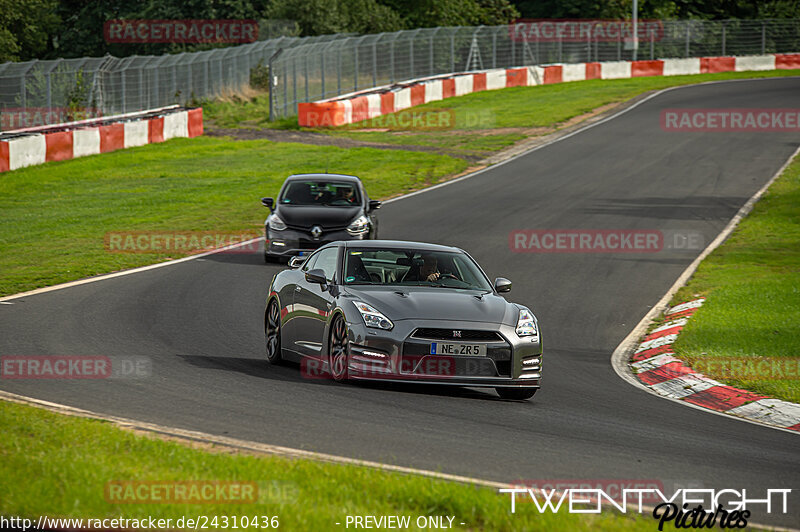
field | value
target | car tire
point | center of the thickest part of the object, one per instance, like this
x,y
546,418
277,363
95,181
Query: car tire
x,y
516,394
338,350
272,333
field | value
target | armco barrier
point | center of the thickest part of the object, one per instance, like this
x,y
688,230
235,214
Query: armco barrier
x,y
359,106
101,135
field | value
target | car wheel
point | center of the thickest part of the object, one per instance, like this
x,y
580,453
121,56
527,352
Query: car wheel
x,y
517,394
338,350
273,333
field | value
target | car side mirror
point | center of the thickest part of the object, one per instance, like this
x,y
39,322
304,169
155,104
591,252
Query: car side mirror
x,y
268,202
316,276
502,285
296,262
374,204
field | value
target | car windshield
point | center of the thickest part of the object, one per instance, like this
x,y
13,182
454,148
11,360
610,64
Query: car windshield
x,y
319,192
403,267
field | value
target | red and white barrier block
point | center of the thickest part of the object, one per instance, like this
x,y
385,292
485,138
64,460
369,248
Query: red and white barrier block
x,y
655,365
351,108
67,141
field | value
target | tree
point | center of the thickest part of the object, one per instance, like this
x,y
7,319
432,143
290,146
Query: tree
x,y
25,27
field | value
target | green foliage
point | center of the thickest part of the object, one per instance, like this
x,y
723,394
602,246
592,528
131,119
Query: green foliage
x,y
659,9
25,26
320,17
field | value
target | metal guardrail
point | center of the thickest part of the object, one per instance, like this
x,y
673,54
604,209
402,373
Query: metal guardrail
x,y
315,68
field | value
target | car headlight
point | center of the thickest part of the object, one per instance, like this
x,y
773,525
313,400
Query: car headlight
x,y
275,223
526,324
373,318
359,226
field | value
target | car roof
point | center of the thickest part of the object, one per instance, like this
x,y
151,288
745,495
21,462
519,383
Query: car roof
x,y
336,177
399,244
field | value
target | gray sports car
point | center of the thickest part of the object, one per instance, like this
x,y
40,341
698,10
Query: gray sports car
x,y
402,311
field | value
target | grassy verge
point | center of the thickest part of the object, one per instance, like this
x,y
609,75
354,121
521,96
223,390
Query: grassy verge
x,y
482,119
752,285
59,466
54,217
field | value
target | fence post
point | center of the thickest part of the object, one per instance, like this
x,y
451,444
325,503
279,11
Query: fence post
x,y
355,65
272,84
322,70
652,46
124,98
391,60
453,52
411,57
375,63
49,93
724,34
763,38
494,49
688,36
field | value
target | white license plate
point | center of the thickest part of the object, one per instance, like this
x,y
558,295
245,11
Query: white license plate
x,y
474,350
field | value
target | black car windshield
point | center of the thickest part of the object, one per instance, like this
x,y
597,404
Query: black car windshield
x,y
399,267
320,192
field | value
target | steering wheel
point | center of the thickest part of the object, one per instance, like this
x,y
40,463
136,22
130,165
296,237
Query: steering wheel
x,y
449,276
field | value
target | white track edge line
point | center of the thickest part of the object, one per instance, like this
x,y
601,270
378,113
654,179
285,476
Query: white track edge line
x,y
276,450
121,273
620,356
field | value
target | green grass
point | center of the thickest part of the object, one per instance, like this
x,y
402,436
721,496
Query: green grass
x,y
54,216
477,114
58,466
752,286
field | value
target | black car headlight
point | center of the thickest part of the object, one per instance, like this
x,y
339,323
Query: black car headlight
x,y
275,223
359,226
526,324
373,318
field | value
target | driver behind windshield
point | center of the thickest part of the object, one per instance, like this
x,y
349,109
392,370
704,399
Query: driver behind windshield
x,y
427,271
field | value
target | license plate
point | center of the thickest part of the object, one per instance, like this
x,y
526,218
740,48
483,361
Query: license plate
x,y
474,350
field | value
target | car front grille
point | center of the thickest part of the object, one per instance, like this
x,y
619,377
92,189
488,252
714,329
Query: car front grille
x,y
463,335
497,362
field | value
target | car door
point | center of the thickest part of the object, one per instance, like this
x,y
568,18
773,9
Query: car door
x,y
291,327
312,304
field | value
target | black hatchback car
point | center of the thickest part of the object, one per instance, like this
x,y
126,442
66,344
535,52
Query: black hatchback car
x,y
315,209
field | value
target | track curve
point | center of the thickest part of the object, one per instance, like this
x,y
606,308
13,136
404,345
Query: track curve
x,y
200,321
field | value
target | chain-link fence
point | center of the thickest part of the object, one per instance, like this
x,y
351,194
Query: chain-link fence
x,y
314,68
48,92
316,71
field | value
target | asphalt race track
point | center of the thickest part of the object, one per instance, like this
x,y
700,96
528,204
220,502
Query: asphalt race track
x,y
200,322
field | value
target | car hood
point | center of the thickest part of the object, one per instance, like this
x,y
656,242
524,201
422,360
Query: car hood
x,y
309,216
430,303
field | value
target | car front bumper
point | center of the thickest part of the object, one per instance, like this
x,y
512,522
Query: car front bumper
x,y
401,355
293,242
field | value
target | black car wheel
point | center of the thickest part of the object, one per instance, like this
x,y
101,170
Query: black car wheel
x,y
338,350
273,333
517,394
